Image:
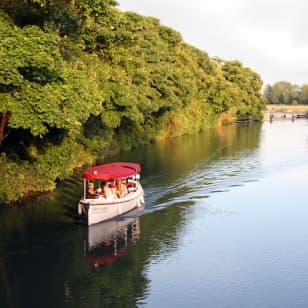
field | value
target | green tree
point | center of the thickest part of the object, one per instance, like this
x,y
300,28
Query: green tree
x,y
304,94
38,89
267,93
247,88
82,76
282,92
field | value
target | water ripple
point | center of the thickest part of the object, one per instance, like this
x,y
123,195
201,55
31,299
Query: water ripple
x,y
205,179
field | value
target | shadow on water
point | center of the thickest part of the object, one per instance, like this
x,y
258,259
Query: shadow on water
x,y
194,167
46,260
183,169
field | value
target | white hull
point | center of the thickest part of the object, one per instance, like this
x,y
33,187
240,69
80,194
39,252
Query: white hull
x,y
100,209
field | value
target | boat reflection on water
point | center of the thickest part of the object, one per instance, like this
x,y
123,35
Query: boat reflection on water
x,y
110,240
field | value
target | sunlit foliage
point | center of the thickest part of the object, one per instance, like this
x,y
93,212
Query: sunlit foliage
x,y
81,72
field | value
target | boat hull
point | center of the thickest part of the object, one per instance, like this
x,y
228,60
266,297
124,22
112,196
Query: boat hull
x,y
98,210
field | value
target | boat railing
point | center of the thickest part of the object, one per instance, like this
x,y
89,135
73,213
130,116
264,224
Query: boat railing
x,y
131,186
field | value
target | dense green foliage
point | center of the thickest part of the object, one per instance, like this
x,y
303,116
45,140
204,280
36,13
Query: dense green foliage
x,y
284,92
78,78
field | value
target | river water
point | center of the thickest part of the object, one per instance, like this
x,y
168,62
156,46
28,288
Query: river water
x,y
224,225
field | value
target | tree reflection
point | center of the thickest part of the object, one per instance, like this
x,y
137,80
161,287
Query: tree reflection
x,y
47,261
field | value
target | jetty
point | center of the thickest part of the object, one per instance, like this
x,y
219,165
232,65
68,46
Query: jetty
x,y
292,112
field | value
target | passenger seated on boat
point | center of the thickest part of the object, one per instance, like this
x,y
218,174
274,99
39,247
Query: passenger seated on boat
x,y
91,194
106,192
121,189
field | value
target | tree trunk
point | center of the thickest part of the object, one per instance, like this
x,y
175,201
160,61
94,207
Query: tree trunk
x,y
4,118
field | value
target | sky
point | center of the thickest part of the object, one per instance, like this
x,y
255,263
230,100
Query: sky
x,y
269,36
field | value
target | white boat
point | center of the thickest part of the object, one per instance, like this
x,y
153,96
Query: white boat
x,y
98,207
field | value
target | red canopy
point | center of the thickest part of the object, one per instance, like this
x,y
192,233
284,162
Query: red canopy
x,y
111,171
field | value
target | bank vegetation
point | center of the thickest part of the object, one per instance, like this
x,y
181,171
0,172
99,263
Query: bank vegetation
x,y
80,78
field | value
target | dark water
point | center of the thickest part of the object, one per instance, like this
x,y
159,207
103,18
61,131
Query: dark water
x,y
224,225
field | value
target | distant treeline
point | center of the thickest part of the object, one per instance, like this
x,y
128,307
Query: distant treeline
x,y
284,92
80,78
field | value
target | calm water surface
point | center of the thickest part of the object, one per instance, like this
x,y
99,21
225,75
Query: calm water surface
x,y
224,225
